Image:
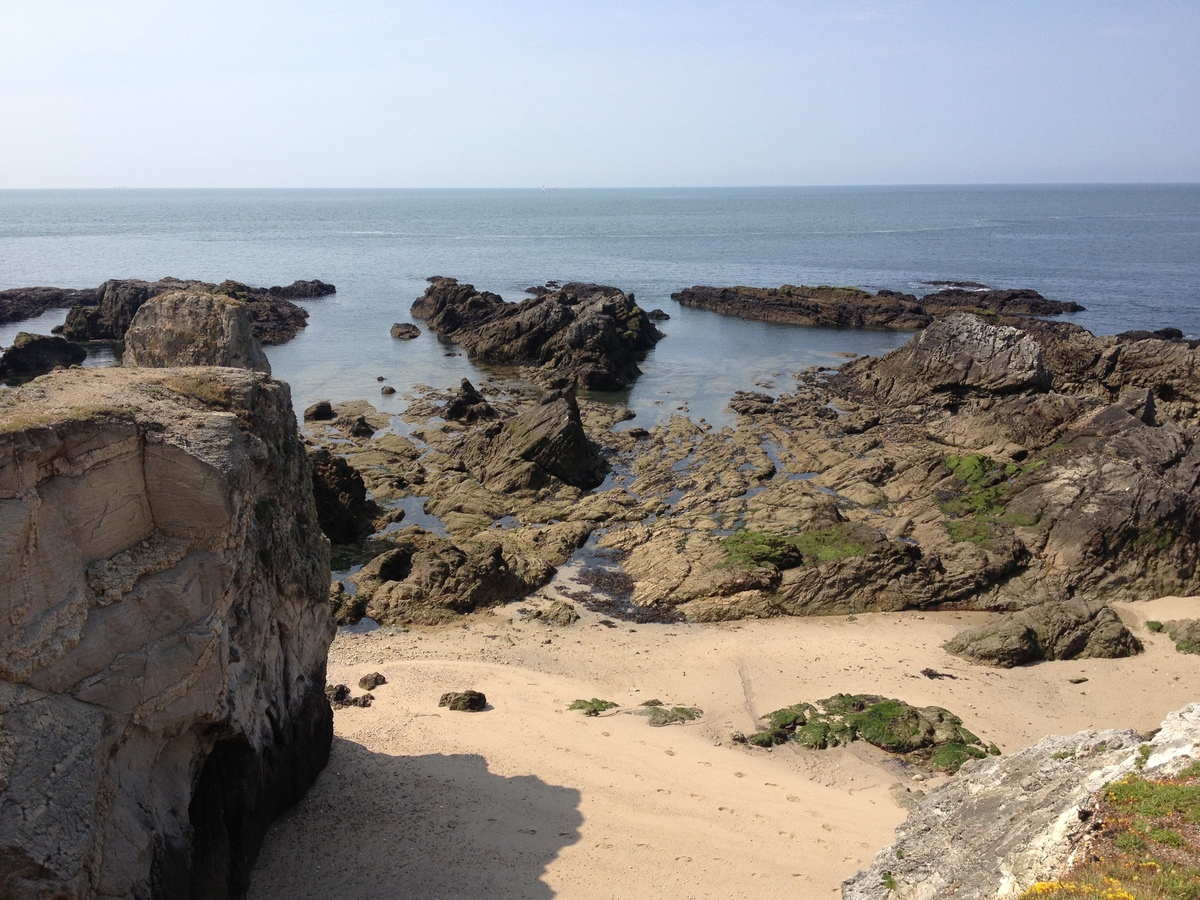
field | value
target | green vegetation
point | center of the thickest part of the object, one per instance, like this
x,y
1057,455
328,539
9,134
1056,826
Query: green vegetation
x,y
889,882
928,735
755,549
1186,635
1154,626
1148,845
982,500
593,707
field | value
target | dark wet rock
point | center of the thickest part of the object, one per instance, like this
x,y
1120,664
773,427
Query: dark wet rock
x,y
361,428
585,335
371,681
657,315
1073,629
464,701
387,390
468,405
343,510
110,308
36,354
748,403
340,698
188,328
18,304
1005,823
321,411
849,307
405,331
303,290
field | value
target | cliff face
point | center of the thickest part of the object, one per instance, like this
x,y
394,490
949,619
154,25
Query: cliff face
x,y
163,630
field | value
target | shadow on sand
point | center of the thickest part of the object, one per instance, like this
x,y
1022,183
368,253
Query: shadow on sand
x,y
380,826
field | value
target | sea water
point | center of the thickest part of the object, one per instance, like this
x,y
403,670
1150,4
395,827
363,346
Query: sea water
x,y
1130,254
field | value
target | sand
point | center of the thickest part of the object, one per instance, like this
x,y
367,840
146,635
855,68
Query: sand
x,y
528,799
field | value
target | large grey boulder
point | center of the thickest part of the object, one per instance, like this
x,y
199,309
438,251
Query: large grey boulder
x,y
190,328
1007,822
164,628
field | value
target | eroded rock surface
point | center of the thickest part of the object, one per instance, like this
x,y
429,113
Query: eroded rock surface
x,y
585,335
1071,629
163,634
35,354
104,313
189,328
1007,822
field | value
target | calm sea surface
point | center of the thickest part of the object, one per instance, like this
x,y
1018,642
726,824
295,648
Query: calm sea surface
x,y
1131,254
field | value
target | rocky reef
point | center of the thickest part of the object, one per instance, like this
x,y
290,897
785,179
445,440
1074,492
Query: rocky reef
x,y
1008,822
981,466
587,336
850,307
164,630
104,313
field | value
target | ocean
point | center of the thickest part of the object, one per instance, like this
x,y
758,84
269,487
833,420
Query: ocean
x,y
1130,254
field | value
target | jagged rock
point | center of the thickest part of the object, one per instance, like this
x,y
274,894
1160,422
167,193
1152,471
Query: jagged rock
x,y
1185,633
36,354
343,510
405,331
1019,302
585,335
1072,629
961,354
339,697
464,701
560,612
165,630
468,405
321,411
542,443
428,579
657,315
186,328
371,681
105,313
1007,822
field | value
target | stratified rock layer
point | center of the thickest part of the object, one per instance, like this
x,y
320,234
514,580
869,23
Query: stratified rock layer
x,y
163,630
1007,822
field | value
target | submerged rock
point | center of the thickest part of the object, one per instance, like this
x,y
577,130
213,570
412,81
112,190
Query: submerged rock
x,y
162,661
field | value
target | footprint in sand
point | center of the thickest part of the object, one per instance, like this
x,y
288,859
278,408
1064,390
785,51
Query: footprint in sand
x,y
683,859
813,813
788,835
827,827
739,774
669,752
792,798
724,809
662,791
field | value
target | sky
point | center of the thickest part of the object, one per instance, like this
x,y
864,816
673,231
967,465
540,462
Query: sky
x,y
574,93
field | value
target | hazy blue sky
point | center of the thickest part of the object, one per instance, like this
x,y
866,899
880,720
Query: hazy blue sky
x,y
366,93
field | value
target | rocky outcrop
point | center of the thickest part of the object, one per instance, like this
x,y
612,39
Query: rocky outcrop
x,y
104,313
1007,822
163,630
544,443
35,354
962,354
405,331
1072,629
468,405
18,304
428,580
343,510
188,328
583,335
849,307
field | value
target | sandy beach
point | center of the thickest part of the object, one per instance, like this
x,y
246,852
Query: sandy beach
x,y
528,799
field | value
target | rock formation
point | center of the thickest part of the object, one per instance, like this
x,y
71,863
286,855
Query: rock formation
x,y
343,510
405,331
849,307
104,313
1070,629
35,354
1007,822
189,328
584,335
163,630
